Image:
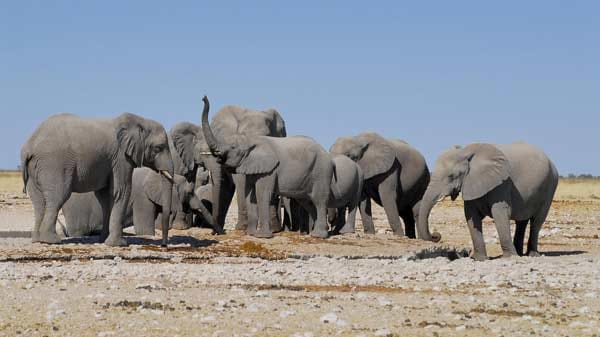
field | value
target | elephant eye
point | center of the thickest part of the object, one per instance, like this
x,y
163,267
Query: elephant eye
x,y
157,149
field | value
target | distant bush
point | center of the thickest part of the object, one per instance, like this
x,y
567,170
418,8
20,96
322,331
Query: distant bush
x,y
580,176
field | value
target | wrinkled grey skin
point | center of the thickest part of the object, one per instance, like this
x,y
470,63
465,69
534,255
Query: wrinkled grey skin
x,y
67,153
228,124
346,192
83,213
294,167
203,193
506,182
184,218
396,176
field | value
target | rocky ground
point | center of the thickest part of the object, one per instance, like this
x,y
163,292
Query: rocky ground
x,y
292,285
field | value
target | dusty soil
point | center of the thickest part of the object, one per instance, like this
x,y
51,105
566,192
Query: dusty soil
x,y
293,285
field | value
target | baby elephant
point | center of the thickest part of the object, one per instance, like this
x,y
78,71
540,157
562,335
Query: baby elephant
x,y
346,192
83,213
506,182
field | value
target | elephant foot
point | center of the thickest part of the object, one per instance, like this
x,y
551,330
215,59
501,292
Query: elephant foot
x,y
35,236
263,234
276,227
479,257
180,225
347,229
46,237
218,230
369,231
115,241
241,226
319,233
399,232
533,253
507,254
138,231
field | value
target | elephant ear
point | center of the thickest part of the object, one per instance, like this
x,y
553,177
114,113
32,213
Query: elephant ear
x,y
130,136
488,168
184,136
378,157
260,159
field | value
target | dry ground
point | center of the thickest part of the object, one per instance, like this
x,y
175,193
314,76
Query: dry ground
x,y
292,285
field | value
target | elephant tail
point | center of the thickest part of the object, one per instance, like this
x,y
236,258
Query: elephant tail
x,y
334,178
25,158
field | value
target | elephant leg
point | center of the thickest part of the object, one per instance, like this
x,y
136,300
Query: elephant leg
x,y
39,205
287,214
264,195
534,230
501,214
320,223
388,194
475,229
346,223
251,203
145,216
350,223
274,219
520,235
54,200
307,214
121,192
366,215
181,221
415,213
333,218
104,197
409,223
240,181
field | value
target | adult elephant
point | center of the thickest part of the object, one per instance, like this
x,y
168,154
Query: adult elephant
x,y
506,182
230,124
83,212
67,153
395,177
294,167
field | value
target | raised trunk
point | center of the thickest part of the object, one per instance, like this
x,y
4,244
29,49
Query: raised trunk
x,y
209,137
429,200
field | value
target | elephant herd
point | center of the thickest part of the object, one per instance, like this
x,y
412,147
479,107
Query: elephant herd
x,y
106,174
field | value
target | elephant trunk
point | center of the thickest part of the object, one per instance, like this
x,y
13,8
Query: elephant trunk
x,y
430,198
166,214
209,137
217,193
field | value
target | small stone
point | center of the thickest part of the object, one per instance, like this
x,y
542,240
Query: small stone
x,y
329,318
383,333
208,319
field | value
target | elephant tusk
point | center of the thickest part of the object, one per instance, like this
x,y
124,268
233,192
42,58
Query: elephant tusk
x,y
167,175
206,152
440,199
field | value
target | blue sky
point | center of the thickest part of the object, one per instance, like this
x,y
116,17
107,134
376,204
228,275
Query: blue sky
x,y
435,73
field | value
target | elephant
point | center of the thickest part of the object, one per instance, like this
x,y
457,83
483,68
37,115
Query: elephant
x,y
506,182
346,192
228,123
83,212
395,177
203,193
295,167
68,153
